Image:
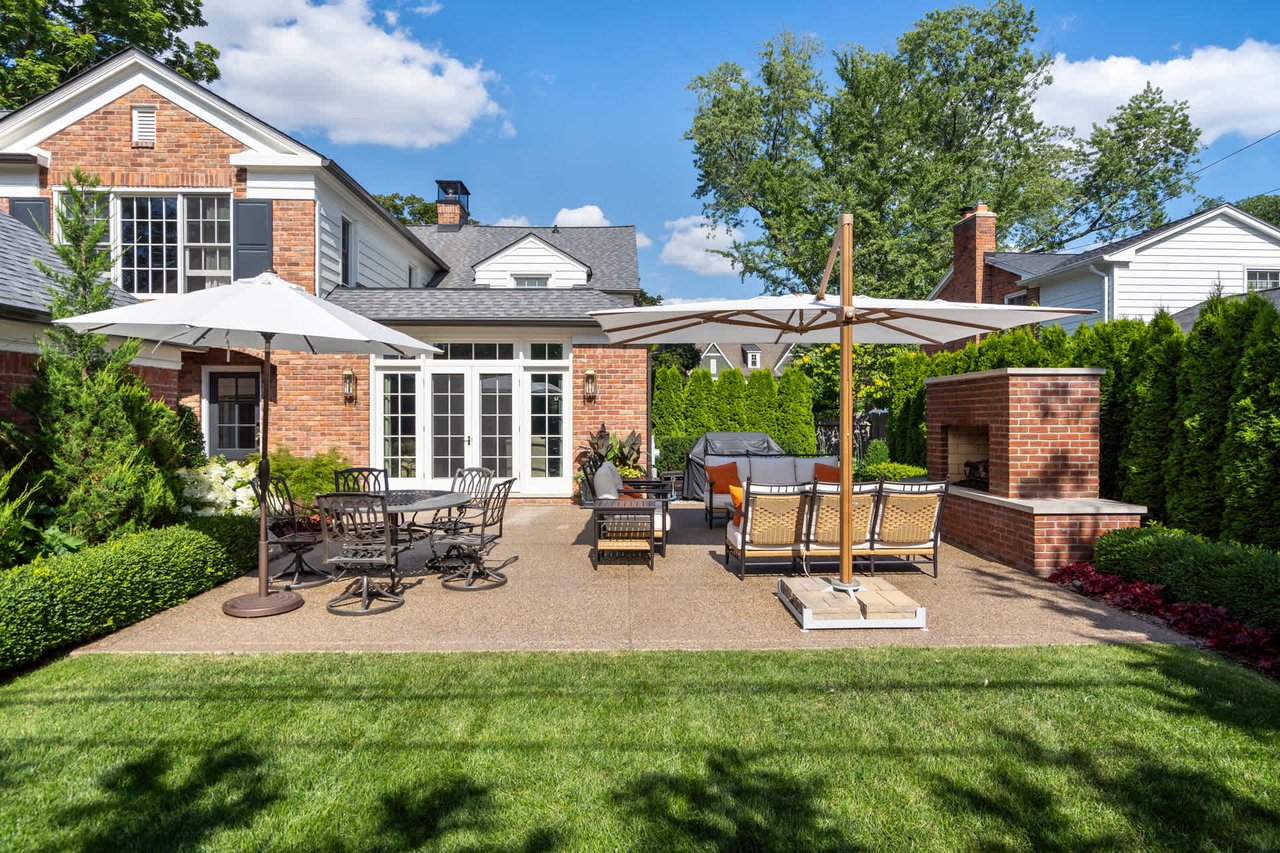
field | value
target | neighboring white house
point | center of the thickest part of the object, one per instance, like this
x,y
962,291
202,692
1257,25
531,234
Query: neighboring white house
x,y
1174,267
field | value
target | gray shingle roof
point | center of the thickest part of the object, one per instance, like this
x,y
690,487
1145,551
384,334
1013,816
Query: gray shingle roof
x,y
24,290
610,251
1027,264
478,305
1186,318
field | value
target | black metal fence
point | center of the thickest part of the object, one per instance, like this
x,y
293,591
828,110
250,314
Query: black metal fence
x,y
866,427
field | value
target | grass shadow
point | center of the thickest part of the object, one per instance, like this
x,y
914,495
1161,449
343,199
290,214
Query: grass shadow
x,y
729,805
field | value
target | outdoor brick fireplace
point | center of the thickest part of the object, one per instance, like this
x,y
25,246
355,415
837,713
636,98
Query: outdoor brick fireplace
x,y
1020,446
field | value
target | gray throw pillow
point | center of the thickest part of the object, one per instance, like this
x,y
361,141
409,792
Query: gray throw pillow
x,y
608,481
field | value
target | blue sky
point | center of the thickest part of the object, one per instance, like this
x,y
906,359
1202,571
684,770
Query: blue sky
x,y
547,109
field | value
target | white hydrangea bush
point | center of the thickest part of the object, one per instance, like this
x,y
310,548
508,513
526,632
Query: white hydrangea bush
x,y
219,487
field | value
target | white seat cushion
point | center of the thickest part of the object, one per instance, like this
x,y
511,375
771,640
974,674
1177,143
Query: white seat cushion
x,y
733,534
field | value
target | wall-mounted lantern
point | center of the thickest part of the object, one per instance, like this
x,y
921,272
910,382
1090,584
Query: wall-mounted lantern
x,y
348,385
589,385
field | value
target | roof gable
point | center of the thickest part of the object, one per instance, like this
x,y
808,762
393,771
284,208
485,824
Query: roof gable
x,y
23,129
527,240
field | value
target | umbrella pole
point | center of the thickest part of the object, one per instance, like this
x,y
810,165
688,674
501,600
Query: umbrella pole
x,y
846,405
264,602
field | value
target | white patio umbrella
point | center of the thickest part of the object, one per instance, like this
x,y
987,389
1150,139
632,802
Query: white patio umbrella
x,y
812,319
263,312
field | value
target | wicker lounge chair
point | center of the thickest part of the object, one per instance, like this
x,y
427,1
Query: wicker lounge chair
x,y
908,520
822,531
772,527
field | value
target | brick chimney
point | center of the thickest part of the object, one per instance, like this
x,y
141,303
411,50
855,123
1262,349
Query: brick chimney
x,y
453,203
971,238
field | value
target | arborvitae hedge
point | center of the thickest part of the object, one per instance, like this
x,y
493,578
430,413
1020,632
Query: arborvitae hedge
x,y
761,405
795,413
699,403
731,392
1251,451
1144,462
668,409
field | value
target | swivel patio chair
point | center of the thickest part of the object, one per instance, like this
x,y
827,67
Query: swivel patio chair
x,y
294,532
474,482
357,539
465,564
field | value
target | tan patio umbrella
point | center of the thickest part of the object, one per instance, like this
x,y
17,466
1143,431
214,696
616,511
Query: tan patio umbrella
x,y
262,312
811,319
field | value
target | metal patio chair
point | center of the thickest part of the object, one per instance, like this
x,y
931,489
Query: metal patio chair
x,y
357,540
360,480
474,482
294,532
464,565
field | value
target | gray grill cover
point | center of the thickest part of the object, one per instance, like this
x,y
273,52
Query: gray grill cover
x,y
722,444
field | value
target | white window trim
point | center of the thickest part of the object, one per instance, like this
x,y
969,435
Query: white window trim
x,y
1008,297
1249,271
207,373
114,226
545,279
753,361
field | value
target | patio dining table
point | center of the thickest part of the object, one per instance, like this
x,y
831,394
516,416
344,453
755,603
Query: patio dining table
x,y
407,501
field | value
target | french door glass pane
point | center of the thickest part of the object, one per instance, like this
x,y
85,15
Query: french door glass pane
x,y
149,238
235,412
546,424
448,423
400,424
495,422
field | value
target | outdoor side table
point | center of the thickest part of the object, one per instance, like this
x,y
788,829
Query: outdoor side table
x,y
625,525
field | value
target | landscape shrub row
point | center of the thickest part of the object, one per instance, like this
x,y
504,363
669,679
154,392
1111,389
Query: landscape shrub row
x,y
1190,424
1244,580
686,409
53,603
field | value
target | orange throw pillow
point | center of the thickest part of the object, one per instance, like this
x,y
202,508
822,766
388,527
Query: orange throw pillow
x,y
735,494
723,476
824,473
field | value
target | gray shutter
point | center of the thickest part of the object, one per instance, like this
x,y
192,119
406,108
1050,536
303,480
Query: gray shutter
x,y
252,252
31,212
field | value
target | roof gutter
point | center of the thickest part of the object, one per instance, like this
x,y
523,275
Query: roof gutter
x,y
1107,313
340,175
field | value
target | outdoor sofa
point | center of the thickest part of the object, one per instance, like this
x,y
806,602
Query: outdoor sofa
x,y
772,469
801,523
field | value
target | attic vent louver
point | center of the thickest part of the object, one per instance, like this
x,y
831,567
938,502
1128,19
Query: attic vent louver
x,y
144,126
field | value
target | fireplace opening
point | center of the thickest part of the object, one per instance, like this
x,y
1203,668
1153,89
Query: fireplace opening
x,y
969,457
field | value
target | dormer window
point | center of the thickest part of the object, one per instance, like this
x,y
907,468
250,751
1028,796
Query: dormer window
x,y
144,127
532,281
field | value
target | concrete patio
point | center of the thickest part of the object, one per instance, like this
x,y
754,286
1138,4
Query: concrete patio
x,y
555,601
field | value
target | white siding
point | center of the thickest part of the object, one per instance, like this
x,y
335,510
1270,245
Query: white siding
x,y
1083,290
532,258
1183,269
381,257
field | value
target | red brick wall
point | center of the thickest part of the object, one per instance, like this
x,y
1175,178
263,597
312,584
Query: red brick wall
x,y
622,392
188,152
1023,540
293,239
308,412
15,373
971,238
1043,430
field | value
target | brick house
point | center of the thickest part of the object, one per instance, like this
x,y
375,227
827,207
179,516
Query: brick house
x,y
199,192
1174,266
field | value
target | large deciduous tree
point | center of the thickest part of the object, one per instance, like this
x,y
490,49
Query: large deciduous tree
x,y
45,42
409,209
904,139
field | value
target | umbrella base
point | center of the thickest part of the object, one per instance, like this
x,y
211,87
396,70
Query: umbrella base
x,y
253,605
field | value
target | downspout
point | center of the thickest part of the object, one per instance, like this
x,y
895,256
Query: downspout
x,y
1107,312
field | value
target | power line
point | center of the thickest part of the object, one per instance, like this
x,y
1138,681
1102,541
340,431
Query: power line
x,y
1243,148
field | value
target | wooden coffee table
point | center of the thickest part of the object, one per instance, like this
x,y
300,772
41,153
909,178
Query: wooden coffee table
x,y
876,604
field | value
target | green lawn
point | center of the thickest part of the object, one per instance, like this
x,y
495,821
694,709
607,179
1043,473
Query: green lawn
x,y
1085,747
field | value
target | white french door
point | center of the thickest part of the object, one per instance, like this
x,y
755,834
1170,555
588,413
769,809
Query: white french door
x,y
434,416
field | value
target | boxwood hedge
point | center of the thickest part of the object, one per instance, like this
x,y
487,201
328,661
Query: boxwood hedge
x,y
1243,579
72,598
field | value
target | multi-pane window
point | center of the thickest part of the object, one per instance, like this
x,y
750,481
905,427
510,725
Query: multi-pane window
x,y
531,281
1019,298
400,424
1262,279
477,352
234,400
546,424
149,239
546,352
495,422
753,360
208,241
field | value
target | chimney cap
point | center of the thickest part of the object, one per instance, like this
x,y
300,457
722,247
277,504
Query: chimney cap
x,y
976,207
452,188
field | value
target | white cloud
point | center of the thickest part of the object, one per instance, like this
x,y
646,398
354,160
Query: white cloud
x,y
428,9
513,220
1228,90
588,214
332,69
688,241
642,240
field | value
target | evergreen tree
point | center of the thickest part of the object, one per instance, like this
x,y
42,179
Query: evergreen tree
x,y
795,413
731,391
668,403
699,403
761,406
1251,452
1154,400
1111,346
1209,364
